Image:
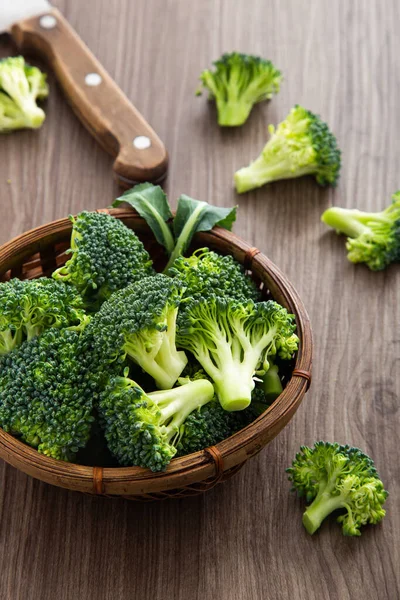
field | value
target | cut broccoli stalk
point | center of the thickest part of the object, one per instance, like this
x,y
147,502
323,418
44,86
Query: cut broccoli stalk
x,y
373,238
301,145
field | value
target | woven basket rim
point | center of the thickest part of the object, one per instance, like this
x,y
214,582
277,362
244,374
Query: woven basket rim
x,y
17,452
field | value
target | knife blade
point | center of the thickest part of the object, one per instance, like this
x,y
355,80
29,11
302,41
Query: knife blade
x,y
99,103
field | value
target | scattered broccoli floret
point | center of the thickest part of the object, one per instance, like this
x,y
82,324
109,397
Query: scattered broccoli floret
x,y
301,145
338,477
238,82
374,238
21,85
233,340
206,272
27,308
140,322
46,393
105,256
144,429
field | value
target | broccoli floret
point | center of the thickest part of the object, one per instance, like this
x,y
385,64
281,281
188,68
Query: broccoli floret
x,y
206,272
301,145
21,85
105,256
47,392
233,340
139,322
238,82
374,238
338,477
27,308
144,429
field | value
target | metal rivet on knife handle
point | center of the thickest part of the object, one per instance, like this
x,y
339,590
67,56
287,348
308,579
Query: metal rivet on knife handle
x,y
93,79
141,142
48,22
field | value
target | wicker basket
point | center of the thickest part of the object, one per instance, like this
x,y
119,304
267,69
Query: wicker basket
x,y
39,252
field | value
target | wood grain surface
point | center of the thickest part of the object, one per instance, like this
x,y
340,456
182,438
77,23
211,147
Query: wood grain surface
x,y
244,540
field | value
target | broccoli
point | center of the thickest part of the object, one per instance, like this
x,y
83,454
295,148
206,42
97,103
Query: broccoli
x,y
106,256
20,86
47,392
338,477
29,307
139,322
233,340
144,429
301,145
271,385
238,82
206,272
374,238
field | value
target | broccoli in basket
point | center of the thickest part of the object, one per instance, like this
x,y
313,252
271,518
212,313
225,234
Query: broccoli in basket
x,y
139,322
21,85
234,340
27,308
105,256
47,393
301,145
144,429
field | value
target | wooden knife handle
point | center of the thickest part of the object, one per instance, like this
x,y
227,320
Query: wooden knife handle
x,y
96,99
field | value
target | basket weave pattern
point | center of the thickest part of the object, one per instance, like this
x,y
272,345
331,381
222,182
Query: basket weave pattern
x,y
38,252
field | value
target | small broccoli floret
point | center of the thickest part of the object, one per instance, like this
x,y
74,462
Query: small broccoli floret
x,y
144,429
105,256
27,308
374,238
46,393
238,82
301,145
21,85
233,340
206,272
338,477
140,322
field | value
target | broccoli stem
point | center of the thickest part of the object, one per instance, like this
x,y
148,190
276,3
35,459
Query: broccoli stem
x,y
272,385
186,234
351,222
176,405
260,172
234,389
168,357
233,112
9,340
323,505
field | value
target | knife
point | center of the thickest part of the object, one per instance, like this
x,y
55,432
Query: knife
x,y
95,98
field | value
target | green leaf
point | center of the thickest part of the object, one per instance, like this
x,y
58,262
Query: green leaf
x,y
193,216
150,201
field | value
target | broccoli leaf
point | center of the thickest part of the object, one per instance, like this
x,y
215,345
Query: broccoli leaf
x,y
150,201
193,216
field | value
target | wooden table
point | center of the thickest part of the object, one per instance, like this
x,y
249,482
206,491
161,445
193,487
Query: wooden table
x,y
244,540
